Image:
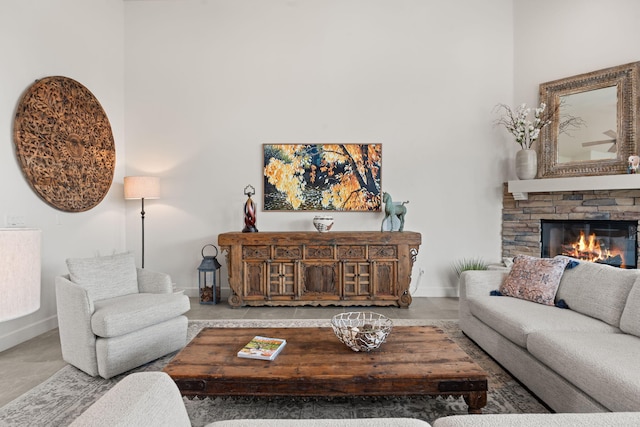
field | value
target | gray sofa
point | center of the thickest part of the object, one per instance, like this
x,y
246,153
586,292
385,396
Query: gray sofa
x,y
582,359
152,399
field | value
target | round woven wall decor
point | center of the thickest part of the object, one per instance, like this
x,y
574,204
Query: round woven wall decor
x,y
64,144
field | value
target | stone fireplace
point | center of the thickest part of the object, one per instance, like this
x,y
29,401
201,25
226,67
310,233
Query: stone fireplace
x,y
522,220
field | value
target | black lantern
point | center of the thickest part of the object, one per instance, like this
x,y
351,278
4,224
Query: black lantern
x,y
208,283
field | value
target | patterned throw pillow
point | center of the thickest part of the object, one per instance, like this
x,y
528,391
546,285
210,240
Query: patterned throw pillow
x,y
534,279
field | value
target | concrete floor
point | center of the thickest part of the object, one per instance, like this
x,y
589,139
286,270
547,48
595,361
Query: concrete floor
x,y
30,363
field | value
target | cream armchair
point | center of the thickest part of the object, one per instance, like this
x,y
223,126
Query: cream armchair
x,y
114,317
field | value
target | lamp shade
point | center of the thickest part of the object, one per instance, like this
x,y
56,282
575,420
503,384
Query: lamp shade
x,y
19,272
141,187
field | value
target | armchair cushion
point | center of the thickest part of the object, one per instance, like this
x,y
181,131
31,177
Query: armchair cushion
x,y
124,314
106,276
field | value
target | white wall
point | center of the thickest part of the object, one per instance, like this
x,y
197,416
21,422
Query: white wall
x,y
82,40
208,82
557,39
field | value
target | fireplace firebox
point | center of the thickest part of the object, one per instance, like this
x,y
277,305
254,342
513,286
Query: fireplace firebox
x,y
607,242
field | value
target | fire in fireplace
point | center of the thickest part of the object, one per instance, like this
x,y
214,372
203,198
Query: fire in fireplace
x,y
603,241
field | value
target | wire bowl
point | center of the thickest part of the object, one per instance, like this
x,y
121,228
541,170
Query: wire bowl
x,y
361,331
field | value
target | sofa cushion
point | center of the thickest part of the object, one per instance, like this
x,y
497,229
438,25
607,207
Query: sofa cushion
x,y
602,365
322,422
597,290
118,316
534,279
106,276
516,319
630,319
606,419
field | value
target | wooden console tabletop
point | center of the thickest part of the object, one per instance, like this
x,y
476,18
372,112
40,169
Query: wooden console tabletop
x,y
415,360
309,268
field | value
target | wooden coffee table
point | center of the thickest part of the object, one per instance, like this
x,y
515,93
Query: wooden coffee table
x,y
415,360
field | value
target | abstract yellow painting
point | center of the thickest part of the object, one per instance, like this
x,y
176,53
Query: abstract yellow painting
x,y
322,177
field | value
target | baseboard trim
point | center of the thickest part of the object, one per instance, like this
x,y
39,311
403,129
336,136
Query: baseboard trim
x,y
438,292
25,333
190,292
195,292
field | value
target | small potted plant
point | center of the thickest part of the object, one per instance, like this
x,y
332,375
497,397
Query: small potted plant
x,y
469,264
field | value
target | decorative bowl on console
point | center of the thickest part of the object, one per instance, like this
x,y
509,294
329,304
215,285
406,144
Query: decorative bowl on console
x,y
361,331
323,223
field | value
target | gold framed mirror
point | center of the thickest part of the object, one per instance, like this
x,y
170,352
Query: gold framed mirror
x,y
602,107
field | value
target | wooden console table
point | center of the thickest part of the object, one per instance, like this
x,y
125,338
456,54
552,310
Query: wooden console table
x,y
309,268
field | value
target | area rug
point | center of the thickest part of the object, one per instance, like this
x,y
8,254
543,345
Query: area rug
x,y
60,399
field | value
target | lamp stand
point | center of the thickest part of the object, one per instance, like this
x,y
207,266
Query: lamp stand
x,y
142,216
141,187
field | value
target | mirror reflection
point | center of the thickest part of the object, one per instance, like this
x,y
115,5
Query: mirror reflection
x,y
596,137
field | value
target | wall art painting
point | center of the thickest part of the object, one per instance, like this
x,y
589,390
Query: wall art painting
x,y
322,177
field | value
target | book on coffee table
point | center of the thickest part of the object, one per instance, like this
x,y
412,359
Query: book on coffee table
x,y
262,348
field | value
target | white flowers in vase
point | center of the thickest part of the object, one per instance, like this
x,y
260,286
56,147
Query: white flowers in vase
x,y
518,124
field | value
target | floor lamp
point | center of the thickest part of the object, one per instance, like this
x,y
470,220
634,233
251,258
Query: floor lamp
x,y
141,187
19,272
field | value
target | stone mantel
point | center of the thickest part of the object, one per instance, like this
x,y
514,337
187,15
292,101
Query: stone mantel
x,y
521,189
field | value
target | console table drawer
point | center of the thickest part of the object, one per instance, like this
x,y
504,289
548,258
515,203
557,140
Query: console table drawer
x,y
383,252
352,252
319,252
287,252
256,252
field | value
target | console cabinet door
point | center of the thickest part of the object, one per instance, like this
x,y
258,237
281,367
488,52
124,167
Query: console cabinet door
x,y
282,279
254,283
319,280
385,275
356,279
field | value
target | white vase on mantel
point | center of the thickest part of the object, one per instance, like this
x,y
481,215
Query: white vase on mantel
x,y
526,164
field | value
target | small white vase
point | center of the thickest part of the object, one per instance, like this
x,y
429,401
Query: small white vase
x,y
526,164
323,223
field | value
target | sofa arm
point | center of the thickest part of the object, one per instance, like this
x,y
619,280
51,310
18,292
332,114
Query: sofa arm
x,y
153,282
77,340
140,399
475,283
